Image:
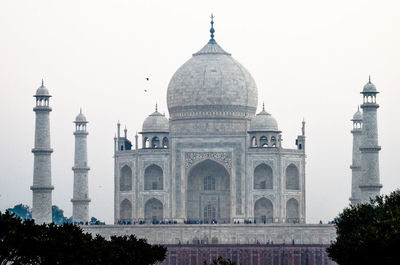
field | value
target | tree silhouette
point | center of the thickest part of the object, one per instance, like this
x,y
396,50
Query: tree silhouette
x,y
368,233
21,210
24,242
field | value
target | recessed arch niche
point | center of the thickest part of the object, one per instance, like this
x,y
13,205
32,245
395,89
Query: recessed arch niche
x,y
208,189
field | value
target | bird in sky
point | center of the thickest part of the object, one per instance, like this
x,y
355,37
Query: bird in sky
x,y
147,79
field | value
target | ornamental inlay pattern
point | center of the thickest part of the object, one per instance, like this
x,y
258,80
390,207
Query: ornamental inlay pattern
x,y
224,157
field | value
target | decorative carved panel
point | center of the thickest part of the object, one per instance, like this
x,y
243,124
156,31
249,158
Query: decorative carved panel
x,y
224,157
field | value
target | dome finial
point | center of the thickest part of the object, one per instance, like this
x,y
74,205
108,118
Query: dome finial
x,y
42,83
212,30
263,106
369,78
80,111
156,107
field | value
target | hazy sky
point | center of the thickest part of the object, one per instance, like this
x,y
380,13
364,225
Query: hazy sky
x,y
309,59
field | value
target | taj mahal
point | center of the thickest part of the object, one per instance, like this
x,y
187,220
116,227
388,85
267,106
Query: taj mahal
x,y
214,159
215,171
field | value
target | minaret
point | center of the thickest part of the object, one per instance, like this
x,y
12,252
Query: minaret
x,y
370,184
80,200
136,141
301,139
356,163
42,188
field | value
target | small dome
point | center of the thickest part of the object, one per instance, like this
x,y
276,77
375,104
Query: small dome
x,y
357,116
156,122
80,117
369,87
42,91
263,121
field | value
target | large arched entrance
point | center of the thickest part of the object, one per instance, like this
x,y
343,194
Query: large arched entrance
x,y
208,193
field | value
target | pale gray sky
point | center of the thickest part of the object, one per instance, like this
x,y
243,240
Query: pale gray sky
x,y
309,59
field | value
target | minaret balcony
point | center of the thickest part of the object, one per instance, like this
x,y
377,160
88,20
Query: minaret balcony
x,y
42,188
77,168
370,149
42,150
42,108
369,105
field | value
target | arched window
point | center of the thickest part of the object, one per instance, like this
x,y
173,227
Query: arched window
x,y
153,178
209,183
292,211
165,142
155,142
273,141
125,210
209,213
125,180
292,177
263,177
146,142
253,141
263,211
263,141
153,211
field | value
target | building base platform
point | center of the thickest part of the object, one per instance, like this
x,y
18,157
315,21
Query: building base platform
x,y
170,234
250,254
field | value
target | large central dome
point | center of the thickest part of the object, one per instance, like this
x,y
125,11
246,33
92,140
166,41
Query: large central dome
x,y
211,84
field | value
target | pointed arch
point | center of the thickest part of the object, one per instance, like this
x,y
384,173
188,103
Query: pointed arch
x,y
292,211
153,211
263,177
155,142
292,178
146,142
125,180
263,211
263,141
273,141
165,142
153,178
253,141
125,210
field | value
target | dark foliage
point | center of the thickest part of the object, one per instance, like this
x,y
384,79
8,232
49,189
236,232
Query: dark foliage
x,y
368,233
95,221
23,211
24,242
57,215
221,261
